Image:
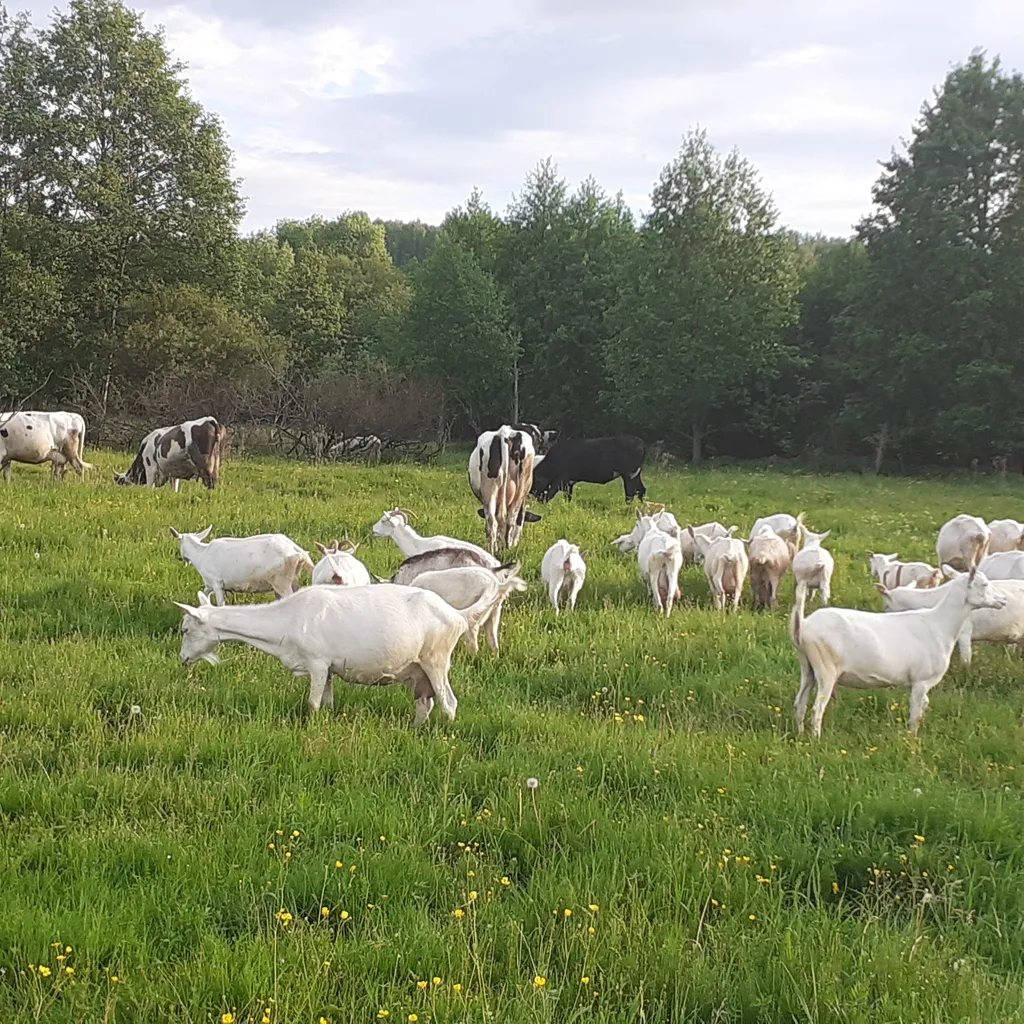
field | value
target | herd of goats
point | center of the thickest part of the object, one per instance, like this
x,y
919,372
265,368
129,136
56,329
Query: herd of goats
x,y
405,629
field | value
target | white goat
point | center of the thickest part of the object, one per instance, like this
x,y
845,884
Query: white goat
x,y
563,565
994,625
770,558
785,525
870,650
725,565
963,542
813,565
891,572
713,531
364,635
244,565
476,592
662,520
340,566
660,558
1007,535
395,524
1004,565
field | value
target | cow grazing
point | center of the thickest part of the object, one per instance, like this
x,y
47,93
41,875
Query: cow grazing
x,y
660,560
340,567
36,437
500,476
563,567
597,460
188,451
1006,535
993,625
870,650
889,570
770,558
245,565
365,635
725,565
963,542
366,447
813,565
476,592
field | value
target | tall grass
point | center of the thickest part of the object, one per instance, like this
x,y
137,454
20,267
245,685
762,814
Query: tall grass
x,y
189,845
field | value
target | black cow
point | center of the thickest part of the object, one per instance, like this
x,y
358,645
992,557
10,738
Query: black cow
x,y
595,460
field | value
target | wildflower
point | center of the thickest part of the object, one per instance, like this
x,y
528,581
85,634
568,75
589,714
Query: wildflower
x,y
412,1018
279,832
592,930
382,1013
114,978
284,917
344,915
721,789
579,767
532,783
539,981
593,908
45,972
67,949
835,887
505,880
421,984
296,833
383,839
585,980
458,912
69,970
325,911
752,917
227,1018
456,987
639,718
920,839
338,864
567,912
471,874
353,869
326,963
323,1020
436,980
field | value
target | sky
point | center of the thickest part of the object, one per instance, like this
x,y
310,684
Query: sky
x,y
401,107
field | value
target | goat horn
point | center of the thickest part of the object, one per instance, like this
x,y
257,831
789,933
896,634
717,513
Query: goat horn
x,y
407,512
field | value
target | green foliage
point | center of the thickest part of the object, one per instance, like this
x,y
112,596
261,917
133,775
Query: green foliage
x,y
158,820
709,294
456,335
408,241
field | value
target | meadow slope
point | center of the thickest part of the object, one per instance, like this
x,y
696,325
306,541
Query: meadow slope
x,y
189,845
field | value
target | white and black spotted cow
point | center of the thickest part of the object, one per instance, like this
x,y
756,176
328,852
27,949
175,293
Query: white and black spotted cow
x,y
188,451
353,448
36,437
500,475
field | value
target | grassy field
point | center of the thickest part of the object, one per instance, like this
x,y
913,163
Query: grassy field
x,y
189,845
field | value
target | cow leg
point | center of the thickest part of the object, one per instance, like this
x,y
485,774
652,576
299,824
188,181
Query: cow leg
x,y
567,489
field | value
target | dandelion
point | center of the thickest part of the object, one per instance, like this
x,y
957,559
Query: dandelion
x,y
421,984
458,912
114,978
835,887
752,917
505,880
325,911
473,894
382,1013
383,839
344,915
412,1018
539,981
227,1018
585,980
592,930
579,767
532,783
338,864
67,949
567,912
69,970
436,980
920,839
593,908
284,917
295,835
45,972
323,1020
456,987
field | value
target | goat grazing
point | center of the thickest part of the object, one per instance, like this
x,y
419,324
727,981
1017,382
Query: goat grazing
x,y
963,542
340,566
813,565
563,566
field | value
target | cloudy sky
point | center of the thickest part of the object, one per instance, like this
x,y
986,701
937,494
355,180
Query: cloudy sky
x,y
401,107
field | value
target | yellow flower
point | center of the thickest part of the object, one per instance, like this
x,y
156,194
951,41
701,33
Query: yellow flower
x,y
752,917
114,978
505,880
412,1018
295,835
567,912
67,949
45,972
920,839
69,970
456,987
585,980
284,917
835,887
344,915
594,908
421,984
338,864
459,912
436,980
382,1013
280,832
540,981
323,1020
473,895
383,839
325,911
227,1018
592,930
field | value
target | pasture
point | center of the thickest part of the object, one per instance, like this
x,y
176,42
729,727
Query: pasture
x,y
189,845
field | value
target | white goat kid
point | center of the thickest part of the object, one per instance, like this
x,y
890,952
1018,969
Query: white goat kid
x,y
340,567
993,625
364,635
1004,565
245,565
813,565
725,565
872,650
891,572
782,523
563,567
476,592
963,542
1006,535
395,524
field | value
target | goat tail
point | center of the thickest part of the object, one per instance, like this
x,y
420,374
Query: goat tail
x,y
796,616
480,610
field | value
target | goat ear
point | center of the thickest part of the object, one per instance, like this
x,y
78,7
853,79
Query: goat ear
x,y
585,555
188,609
379,579
320,547
732,530
972,574
822,536
205,533
204,601
882,589
174,532
949,571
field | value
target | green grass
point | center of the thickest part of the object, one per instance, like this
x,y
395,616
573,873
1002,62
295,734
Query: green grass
x,y
739,875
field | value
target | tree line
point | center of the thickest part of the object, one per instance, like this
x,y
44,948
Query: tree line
x,y
126,288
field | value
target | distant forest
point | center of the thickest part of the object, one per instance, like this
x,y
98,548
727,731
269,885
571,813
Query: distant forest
x,y
128,291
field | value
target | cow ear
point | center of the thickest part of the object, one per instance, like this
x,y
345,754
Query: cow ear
x,y
480,513
174,533
532,517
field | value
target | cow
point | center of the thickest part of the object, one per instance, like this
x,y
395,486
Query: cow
x,y
597,460
500,476
188,451
354,448
33,437
542,439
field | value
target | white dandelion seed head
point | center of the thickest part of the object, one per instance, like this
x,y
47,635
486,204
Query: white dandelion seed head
x,y
532,783
136,710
